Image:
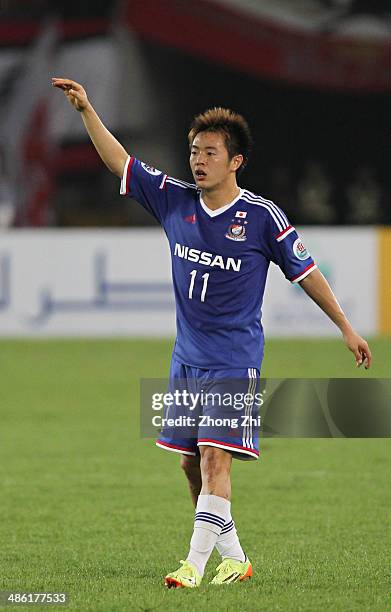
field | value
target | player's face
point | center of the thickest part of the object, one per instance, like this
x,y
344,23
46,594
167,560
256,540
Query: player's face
x,y
209,161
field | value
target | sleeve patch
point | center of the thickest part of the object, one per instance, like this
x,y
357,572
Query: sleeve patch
x,y
299,250
150,169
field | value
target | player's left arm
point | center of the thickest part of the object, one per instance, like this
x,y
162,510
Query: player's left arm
x,y
317,287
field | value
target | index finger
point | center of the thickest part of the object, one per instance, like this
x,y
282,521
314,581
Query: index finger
x,y
66,83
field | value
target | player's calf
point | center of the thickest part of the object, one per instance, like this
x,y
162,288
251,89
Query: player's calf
x,y
191,467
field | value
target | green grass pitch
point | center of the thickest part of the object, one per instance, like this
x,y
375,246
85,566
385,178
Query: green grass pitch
x,y
89,508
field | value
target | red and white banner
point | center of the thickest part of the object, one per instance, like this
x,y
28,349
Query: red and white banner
x,y
272,48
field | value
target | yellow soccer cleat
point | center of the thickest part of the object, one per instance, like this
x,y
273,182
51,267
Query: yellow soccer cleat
x,y
232,571
186,576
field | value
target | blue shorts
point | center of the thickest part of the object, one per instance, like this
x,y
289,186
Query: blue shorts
x,y
212,408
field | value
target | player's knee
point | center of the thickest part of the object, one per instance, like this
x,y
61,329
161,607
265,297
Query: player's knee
x,y
214,461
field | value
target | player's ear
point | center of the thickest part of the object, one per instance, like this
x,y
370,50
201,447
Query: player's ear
x,y
236,162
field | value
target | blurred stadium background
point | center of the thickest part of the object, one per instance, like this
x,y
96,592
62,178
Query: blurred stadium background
x,y
313,78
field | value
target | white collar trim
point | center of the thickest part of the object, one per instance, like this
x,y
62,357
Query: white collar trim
x,y
219,211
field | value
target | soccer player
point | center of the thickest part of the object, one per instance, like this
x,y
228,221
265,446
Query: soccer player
x,y
222,239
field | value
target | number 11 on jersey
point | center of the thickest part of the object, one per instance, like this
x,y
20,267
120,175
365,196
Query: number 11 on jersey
x,y
193,275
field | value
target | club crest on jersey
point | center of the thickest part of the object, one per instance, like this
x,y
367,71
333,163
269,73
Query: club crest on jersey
x,y
151,169
236,232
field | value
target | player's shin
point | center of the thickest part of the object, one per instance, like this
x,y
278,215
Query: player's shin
x,y
212,513
228,544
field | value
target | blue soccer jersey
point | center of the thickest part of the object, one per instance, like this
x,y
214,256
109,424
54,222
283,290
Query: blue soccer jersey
x,y
220,261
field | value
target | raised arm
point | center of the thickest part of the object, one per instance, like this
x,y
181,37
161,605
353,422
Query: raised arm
x,y
110,150
316,286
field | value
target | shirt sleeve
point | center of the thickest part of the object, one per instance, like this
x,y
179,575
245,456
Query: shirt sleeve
x,y
286,248
147,186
